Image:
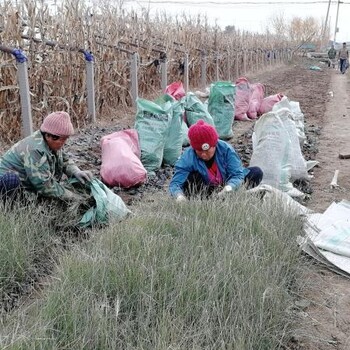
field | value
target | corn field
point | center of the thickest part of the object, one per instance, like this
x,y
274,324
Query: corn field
x,y
53,42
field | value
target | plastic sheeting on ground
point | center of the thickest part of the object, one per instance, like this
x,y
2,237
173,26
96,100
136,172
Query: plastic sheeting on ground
x,y
108,208
272,194
328,237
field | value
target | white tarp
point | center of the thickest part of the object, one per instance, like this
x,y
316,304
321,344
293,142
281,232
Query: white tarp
x,y
328,237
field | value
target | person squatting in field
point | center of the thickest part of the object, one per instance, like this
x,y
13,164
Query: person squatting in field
x,y
38,162
209,166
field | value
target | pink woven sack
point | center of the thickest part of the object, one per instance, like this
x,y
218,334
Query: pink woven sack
x,y
242,99
176,90
256,98
121,164
268,102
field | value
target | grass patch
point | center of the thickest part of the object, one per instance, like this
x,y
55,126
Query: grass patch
x,y
26,243
200,275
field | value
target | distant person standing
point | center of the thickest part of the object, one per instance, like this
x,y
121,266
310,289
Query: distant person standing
x,y
332,54
343,58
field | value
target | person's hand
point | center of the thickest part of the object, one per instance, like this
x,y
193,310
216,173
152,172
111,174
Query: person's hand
x,y
180,198
83,176
225,190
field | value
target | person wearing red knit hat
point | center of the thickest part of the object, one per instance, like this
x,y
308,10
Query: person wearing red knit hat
x,y
37,162
209,166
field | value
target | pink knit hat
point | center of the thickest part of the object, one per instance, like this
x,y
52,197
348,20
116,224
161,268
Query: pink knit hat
x,y
58,123
202,136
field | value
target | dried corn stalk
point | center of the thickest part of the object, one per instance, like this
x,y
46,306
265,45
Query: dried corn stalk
x,y
51,40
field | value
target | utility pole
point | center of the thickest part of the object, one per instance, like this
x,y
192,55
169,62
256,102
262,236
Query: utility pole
x,y
336,22
326,21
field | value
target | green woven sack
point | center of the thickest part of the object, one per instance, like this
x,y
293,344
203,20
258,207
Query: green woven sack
x,y
221,106
152,123
173,140
195,109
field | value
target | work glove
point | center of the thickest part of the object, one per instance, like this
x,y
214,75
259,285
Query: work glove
x,y
83,176
225,190
180,198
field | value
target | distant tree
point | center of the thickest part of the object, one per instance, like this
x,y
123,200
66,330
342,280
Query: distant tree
x,y
297,30
278,24
230,29
305,30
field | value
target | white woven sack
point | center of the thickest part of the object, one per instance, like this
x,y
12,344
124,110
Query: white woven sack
x,y
271,151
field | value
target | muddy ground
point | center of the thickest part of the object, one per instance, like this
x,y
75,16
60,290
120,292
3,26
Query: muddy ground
x,y
290,80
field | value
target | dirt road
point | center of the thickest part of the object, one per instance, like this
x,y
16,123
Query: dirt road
x,y
334,139
324,320
325,323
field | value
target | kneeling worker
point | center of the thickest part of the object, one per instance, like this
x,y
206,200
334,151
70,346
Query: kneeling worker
x,y
38,162
209,166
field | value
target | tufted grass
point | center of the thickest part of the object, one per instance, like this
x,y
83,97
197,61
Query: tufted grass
x,y
200,275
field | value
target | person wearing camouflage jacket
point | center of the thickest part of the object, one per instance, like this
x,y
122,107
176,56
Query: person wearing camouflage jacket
x,y
38,162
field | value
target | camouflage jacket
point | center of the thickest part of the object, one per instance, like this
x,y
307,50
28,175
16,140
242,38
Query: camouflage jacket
x,y
332,53
39,169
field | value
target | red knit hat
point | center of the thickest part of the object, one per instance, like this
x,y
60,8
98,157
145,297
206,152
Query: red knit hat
x,y
58,123
202,136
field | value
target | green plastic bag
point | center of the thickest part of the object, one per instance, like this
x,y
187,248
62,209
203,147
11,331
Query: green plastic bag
x,y
317,68
152,122
173,141
109,206
221,106
195,109
174,138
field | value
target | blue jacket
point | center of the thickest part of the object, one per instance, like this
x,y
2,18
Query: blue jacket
x,y
226,158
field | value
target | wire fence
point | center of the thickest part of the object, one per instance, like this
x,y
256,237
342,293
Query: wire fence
x,y
95,61
61,80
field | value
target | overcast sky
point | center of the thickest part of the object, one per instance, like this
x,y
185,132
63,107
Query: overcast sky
x,y
253,15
